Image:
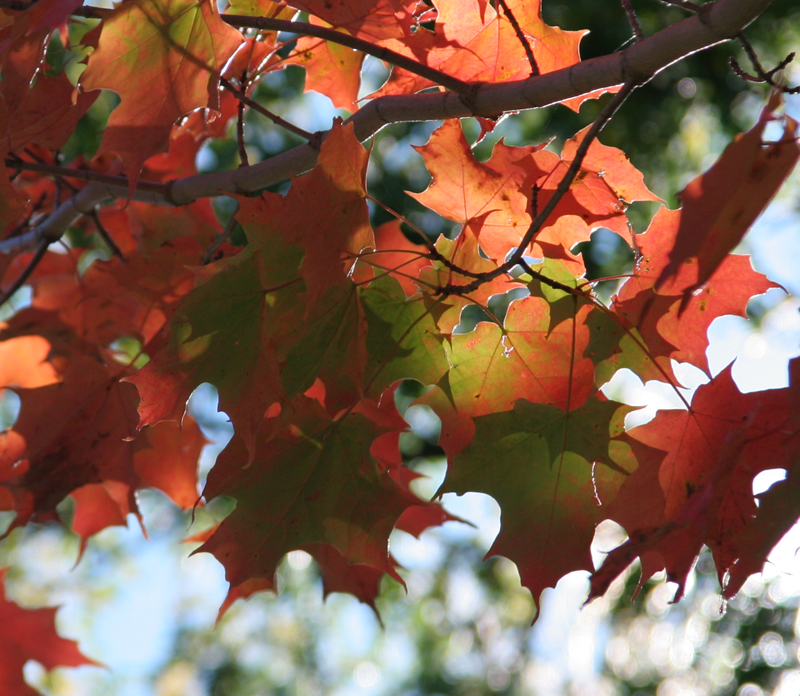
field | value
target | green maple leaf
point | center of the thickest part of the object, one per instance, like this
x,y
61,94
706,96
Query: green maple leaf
x,y
402,337
312,480
550,472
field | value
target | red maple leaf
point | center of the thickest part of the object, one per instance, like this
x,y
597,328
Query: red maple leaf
x,y
693,484
30,634
164,60
721,205
75,432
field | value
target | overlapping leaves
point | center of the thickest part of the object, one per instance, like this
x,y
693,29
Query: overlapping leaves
x,y
307,331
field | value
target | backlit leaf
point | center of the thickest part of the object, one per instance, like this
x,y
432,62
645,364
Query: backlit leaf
x,y
163,57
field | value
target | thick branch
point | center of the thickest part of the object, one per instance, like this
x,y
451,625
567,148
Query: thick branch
x,y
637,64
82,203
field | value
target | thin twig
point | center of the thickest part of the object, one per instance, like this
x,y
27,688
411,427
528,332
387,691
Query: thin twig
x,y
221,237
521,36
244,160
600,122
761,74
433,253
313,138
436,76
30,268
60,180
549,281
103,232
633,20
14,162
399,216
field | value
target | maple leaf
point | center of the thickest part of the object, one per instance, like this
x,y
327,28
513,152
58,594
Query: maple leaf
x,y
168,460
12,207
494,197
550,472
612,165
347,533
22,46
778,512
331,69
43,327
152,226
75,433
34,119
721,205
462,252
472,42
255,58
30,634
373,20
115,299
358,579
527,359
99,506
402,338
323,486
463,189
325,211
219,335
402,258
671,323
261,8
24,363
328,344
164,60
693,484
287,299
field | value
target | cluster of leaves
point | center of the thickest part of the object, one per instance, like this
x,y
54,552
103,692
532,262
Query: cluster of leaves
x,y
308,327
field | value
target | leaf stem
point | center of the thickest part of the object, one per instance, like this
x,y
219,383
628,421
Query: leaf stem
x,y
221,237
104,234
761,74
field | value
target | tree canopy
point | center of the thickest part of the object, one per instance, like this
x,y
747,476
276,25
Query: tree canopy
x,y
321,305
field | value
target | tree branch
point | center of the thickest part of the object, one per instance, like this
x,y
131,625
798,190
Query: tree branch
x,y
633,20
521,36
717,22
640,62
151,187
82,203
41,249
338,37
277,120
